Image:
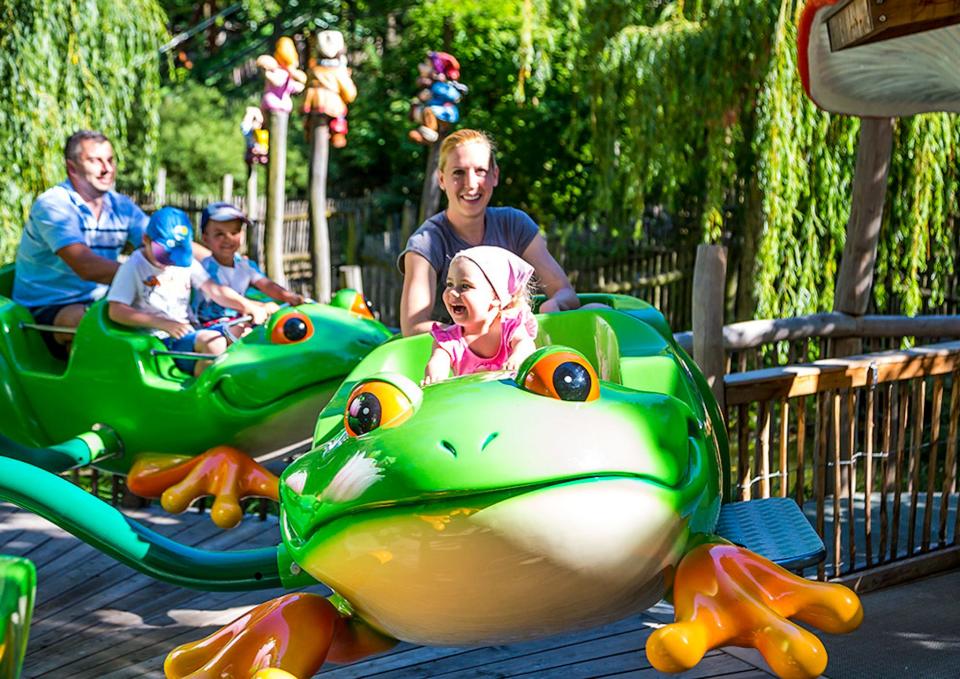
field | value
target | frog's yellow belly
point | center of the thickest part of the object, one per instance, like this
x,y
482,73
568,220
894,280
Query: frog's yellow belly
x,y
467,573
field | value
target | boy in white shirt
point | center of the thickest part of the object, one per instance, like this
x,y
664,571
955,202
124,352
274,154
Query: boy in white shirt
x,y
221,227
152,290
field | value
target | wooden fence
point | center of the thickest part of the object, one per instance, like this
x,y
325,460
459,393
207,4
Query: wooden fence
x,y
867,445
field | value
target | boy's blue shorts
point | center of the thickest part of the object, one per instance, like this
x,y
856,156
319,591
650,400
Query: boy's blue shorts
x,y
188,343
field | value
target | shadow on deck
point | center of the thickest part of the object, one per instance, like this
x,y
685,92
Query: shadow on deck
x,y
97,618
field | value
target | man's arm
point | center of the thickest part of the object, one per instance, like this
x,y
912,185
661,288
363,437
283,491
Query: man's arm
x,y
88,265
560,294
419,292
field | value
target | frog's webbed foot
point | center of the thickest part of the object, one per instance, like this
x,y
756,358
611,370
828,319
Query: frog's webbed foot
x,y
727,595
224,472
286,638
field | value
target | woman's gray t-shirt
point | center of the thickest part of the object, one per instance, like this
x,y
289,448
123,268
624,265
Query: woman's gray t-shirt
x,y
436,241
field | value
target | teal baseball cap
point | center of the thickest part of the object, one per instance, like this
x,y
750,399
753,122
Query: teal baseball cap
x,y
171,231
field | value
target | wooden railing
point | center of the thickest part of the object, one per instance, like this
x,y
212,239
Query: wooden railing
x,y
867,445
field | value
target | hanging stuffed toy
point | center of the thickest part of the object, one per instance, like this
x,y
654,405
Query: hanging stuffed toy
x,y
330,87
435,107
283,75
256,136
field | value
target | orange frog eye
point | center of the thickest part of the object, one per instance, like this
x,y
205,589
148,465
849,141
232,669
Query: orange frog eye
x,y
562,374
375,404
361,307
291,328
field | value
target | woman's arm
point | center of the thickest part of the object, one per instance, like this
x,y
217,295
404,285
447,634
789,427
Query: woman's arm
x,y
560,294
417,299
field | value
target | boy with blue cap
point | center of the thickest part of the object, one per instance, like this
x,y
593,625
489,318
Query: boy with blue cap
x,y
152,290
221,227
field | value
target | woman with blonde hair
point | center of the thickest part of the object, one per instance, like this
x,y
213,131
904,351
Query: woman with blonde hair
x,y
467,174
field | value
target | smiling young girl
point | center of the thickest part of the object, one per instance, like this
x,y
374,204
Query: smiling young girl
x,y
487,296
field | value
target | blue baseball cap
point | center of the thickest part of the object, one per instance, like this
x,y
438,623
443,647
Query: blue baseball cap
x,y
221,211
172,235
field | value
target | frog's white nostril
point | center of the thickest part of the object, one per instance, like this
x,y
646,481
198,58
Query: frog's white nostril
x,y
489,440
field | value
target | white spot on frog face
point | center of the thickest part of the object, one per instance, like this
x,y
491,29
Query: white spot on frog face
x,y
359,473
297,481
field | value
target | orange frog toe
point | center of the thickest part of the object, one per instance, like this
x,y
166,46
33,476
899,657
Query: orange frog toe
x,y
727,595
224,472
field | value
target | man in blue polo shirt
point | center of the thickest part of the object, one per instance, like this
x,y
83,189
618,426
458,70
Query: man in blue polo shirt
x,y
68,251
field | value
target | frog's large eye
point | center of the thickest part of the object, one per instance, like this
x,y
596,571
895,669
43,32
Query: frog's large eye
x,y
292,327
375,404
562,374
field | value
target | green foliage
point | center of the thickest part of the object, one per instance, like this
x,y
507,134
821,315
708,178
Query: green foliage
x,y
200,141
700,109
67,65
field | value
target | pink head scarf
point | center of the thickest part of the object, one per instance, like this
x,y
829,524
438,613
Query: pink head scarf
x,y
506,273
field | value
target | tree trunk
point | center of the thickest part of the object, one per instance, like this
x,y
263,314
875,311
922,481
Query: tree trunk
x,y
855,278
430,198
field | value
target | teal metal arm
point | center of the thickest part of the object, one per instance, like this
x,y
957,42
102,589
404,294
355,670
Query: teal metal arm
x,y
108,530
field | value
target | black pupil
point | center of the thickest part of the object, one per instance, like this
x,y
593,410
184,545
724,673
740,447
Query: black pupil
x,y
363,413
572,381
294,329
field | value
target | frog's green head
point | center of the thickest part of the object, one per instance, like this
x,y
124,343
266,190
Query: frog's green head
x,y
267,365
562,498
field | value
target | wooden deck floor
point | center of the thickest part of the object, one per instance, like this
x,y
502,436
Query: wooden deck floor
x,y
95,618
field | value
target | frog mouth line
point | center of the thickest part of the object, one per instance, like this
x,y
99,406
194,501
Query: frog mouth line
x,y
500,494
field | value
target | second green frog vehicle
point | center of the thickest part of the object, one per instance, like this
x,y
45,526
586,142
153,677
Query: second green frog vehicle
x,y
263,393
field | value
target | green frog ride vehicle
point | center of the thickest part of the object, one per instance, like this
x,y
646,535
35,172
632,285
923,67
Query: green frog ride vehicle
x,y
263,393
496,507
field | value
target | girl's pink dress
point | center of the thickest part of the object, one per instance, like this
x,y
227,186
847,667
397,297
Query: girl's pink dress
x,y
464,361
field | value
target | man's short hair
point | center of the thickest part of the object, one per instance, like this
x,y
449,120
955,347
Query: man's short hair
x,y
72,150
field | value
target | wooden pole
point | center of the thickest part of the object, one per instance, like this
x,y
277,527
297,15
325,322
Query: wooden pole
x,y
319,231
352,276
227,192
254,237
430,198
160,188
855,278
709,276
276,175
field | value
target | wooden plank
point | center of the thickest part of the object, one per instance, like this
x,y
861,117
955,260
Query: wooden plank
x,y
951,460
784,434
920,390
886,468
904,570
836,442
801,441
929,501
849,373
848,471
861,22
709,275
763,448
868,472
743,453
903,413
820,469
